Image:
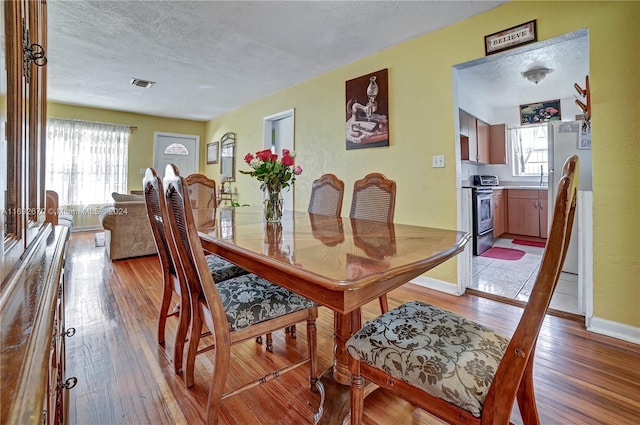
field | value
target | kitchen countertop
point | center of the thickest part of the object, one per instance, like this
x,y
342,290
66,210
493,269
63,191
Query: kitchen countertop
x,y
511,186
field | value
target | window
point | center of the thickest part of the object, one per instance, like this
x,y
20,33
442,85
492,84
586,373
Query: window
x,y
86,161
529,148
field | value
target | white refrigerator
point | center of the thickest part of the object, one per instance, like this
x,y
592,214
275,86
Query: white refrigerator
x,y
566,139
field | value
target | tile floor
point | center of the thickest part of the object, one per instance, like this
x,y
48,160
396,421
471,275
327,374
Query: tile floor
x,y
514,279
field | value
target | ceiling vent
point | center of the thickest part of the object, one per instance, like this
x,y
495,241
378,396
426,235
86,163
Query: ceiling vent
x,y
142,83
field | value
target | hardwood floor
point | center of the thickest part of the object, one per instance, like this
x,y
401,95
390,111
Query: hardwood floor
x,y
125,377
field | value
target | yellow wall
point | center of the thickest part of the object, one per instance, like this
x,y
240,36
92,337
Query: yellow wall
x,y
422,124
141,139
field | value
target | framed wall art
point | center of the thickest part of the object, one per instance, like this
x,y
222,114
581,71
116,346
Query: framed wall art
x,y
512,37
212,153
367,111
536,113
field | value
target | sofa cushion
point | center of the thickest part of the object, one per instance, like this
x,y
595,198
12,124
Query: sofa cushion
x,y
125,197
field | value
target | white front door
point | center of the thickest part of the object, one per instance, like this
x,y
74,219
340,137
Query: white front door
x,y
179,149
278,135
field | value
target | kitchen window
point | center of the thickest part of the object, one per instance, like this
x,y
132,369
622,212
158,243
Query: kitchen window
x,y
529,150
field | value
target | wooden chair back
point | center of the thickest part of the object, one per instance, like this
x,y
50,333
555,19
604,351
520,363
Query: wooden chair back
x,y
202,191
374,198
189,251
173,279
514,376
326,196
202,289
154,201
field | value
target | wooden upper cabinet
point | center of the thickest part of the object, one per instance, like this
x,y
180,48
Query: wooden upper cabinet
x,y
498,144
468,137
483,142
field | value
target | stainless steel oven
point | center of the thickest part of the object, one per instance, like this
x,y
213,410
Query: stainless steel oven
x,y
483,213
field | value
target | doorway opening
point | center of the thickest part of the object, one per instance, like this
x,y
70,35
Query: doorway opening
x,y
491,91
279,134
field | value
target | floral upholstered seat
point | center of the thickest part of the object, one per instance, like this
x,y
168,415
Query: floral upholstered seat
x,y
250,299
222,269
432,349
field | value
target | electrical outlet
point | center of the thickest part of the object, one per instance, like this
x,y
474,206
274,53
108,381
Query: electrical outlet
x,y
438,161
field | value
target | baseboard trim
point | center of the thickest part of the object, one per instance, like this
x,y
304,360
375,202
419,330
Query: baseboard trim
x,y
614,329
438,285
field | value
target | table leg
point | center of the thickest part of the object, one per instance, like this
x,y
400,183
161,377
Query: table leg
x,y
335,381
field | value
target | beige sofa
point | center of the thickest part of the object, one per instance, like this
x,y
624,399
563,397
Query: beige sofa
x,y
127,230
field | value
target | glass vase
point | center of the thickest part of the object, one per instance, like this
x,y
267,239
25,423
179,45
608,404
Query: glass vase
x,y
273,205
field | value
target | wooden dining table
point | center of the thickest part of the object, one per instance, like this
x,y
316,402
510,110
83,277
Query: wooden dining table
x,y
340,263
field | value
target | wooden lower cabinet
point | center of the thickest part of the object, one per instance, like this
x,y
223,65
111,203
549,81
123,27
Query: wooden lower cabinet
x,y
527,212
33,332
499,213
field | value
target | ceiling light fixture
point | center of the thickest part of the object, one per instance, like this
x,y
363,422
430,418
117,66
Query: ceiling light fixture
x,y
141,83
536,75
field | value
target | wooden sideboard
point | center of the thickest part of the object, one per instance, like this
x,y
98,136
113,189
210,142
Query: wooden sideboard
x,y
33,332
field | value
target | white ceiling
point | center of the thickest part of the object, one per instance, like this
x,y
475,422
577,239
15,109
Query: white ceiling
x,y
210,57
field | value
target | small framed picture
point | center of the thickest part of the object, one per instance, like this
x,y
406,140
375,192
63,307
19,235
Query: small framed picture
x,y
212,153
537,113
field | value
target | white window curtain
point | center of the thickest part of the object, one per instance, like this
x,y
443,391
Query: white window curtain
x,y
86,161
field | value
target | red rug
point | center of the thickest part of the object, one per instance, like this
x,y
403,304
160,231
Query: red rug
x,y
503,253
529,243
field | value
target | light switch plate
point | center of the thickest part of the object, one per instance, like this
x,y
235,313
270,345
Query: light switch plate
x,y
438,161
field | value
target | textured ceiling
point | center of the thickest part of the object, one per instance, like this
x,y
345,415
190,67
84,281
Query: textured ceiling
x,y
498,81
210,57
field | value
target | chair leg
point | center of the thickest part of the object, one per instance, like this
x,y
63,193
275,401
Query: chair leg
x,y
269,343
526,396
184,317
384,303
195,331
216,388
164,309
312,342
291,331
356,392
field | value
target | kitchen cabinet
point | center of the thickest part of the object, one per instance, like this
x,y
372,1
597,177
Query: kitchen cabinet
x,y
481,142
527,212
499,213
468,137
498,144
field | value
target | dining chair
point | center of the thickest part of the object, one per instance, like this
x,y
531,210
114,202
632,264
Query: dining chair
x,y
374,198
204,202
202,191
233,310
458,370
326,196
202,194
173,282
